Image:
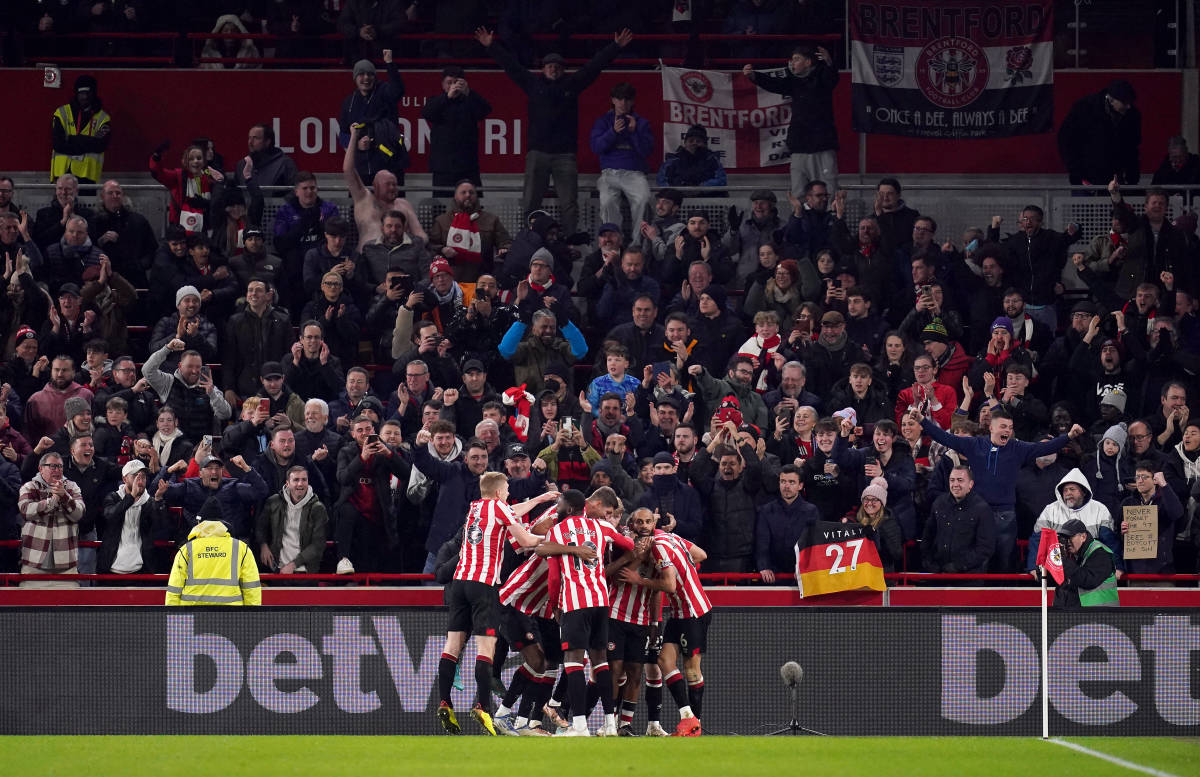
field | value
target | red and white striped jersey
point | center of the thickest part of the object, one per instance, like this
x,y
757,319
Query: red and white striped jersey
x,y
582,583
527,589
631,603
483,541
689,599
529,520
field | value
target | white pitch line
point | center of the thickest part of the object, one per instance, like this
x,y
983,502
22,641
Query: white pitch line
x,y
1112,758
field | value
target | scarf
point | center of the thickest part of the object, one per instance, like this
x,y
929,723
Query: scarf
x,y
163,443
836,345
539,288
418,482
760,351
1117,239
454,294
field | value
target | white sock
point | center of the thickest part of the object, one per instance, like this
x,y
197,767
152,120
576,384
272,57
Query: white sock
x,y
579,722
686,712
522,722
610,718
502,710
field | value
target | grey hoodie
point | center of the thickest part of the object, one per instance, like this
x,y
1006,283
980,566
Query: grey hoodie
x,y
1095,516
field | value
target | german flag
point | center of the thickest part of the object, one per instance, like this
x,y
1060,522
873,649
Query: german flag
x,y
837,557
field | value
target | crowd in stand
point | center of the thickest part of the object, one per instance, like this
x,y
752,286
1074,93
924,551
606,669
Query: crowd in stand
x,y
950,395
29,28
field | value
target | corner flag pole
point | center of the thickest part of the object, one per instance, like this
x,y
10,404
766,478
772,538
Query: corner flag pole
x,y
1045,662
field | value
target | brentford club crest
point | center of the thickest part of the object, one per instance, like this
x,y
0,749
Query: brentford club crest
x,y
697,86
952,72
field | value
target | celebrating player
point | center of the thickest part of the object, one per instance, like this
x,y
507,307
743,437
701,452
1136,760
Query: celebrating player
x,y
580,591
471,595
686,633
527,622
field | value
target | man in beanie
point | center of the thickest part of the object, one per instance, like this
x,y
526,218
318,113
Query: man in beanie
x,y
672,499
188,324
80,133
1089,570
454,117
553,112
1101,364
783,521
692,164
373,105
960,533
717,331
1100,138
1055,378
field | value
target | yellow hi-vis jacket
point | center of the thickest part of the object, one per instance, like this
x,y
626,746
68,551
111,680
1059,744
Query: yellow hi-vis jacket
x,y
89,165
214,568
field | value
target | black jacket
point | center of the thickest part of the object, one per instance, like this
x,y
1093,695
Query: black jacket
x,y
729,525
1096,143
1034,262
153,523
457,488
351,468
454,132
135,245
251,340
812,128
553,111
959,535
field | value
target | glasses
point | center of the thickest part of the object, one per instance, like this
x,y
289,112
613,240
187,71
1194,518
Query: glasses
x,y
922,367
310,337
1139,437
1143,476
52,466
331,284
124,369
922,229
415,374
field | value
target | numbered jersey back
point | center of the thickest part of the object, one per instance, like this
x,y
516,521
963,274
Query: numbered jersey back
x,y
583,583
483,541
837,557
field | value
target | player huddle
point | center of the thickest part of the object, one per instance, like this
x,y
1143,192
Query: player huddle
x,y
628,601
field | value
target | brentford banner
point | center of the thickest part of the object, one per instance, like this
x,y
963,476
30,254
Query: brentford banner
x,y
837,557
952,69
747,126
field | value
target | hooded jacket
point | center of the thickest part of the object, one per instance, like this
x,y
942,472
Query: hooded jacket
x,y
271,526
214,568
214,47
1095,516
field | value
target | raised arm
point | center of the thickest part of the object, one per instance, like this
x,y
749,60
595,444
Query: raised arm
x,y
349,173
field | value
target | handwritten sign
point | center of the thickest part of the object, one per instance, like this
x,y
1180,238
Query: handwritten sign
x,y
1141,541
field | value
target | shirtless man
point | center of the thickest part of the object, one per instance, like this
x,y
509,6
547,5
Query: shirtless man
x,y
371,204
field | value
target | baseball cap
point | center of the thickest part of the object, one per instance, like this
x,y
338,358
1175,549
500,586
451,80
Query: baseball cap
x,y
271,370
132,467
474,365
553,58
607,226
832,318
68,288
515,451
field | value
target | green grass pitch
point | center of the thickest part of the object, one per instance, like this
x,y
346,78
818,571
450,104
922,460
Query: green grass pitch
x,y
254,756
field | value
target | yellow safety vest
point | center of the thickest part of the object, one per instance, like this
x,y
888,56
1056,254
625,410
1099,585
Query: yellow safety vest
x,y
214,569
89,166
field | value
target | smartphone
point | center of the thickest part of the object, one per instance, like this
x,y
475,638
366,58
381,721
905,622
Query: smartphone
x,y
783,412
206,371
396,282
972,246
206,441
372,439
837,284
927,290
568,425
661,368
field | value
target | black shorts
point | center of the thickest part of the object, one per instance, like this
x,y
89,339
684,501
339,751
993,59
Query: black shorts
x,y
654,643
585,629
474,607
691,634
626,641
523,630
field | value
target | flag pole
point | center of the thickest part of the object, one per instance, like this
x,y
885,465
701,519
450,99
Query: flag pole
x,y
1045,661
